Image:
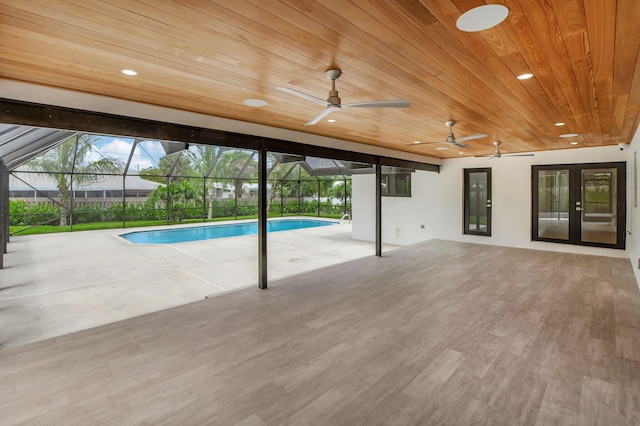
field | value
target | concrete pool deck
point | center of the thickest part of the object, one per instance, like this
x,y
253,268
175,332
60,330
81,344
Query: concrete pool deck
x,y
55,284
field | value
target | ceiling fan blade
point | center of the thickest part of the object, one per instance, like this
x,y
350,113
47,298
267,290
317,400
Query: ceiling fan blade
x,y
491,157
303,96
422,143
322,115
456,143
470,137
380,104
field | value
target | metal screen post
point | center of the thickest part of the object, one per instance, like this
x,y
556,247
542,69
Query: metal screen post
x,y
235,198
281,198
71,197
166,201
124,202
124,179
299,191
344,196
319,206
71,202
378,208
4,210
204,199
262,218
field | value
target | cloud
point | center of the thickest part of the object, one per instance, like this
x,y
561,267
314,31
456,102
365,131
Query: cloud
x,y
147,153
116,147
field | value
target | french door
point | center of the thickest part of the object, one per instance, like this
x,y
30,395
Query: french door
x,y
580,204
477,201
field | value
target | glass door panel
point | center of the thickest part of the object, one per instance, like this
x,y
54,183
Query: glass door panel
x,y
580,204
477,201
553,204
598,209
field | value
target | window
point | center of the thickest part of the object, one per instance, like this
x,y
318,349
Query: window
x,y
24,193
95,194
396,185
477,201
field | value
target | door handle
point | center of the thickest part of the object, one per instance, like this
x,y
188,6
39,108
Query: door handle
x,y
579,209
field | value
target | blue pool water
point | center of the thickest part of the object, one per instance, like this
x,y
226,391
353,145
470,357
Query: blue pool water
x,y
183,235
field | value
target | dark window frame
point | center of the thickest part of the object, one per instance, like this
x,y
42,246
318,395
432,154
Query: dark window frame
x,y
575,188
467,202
391,187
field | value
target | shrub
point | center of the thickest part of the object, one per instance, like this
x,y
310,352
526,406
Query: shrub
x,y
21,214
87,214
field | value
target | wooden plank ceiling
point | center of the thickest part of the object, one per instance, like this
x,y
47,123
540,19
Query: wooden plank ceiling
x,y
209,56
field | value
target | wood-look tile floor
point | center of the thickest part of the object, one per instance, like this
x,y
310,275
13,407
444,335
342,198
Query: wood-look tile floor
x,y
440,333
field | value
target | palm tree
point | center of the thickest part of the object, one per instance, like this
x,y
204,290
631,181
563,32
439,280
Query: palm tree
x,y
71,163
290,179
233,166
203,157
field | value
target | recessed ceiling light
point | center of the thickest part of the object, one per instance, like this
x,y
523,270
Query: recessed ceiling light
x,y
569,135
257,103
559,124
461,152
331,120
525,76
574,143
416,141
441,148
129,72
482,18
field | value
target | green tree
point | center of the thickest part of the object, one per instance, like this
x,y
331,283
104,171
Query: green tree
x,y
292,181
176,197
153,174
338,190
233,166
202,158
73,163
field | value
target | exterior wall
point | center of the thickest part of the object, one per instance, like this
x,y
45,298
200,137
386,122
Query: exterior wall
x,y
363,207
511,197
633,221
437,202
402,217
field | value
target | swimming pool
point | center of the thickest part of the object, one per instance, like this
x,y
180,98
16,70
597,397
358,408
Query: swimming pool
x,y
197,233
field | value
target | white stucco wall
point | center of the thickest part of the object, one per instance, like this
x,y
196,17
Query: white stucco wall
x,y
402,217
437,202
363,207
511,197
633,221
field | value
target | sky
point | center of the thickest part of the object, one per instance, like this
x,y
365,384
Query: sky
x,y
147,153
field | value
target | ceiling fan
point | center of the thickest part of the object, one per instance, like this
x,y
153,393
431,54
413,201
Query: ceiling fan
x,y
451,139
498,154
333,102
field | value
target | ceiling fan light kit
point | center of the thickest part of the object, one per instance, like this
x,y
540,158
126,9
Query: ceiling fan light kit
x,y
451,139
498,154
333,102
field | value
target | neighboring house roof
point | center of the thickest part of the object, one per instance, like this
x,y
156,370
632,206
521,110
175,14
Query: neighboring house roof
x,y
45,182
